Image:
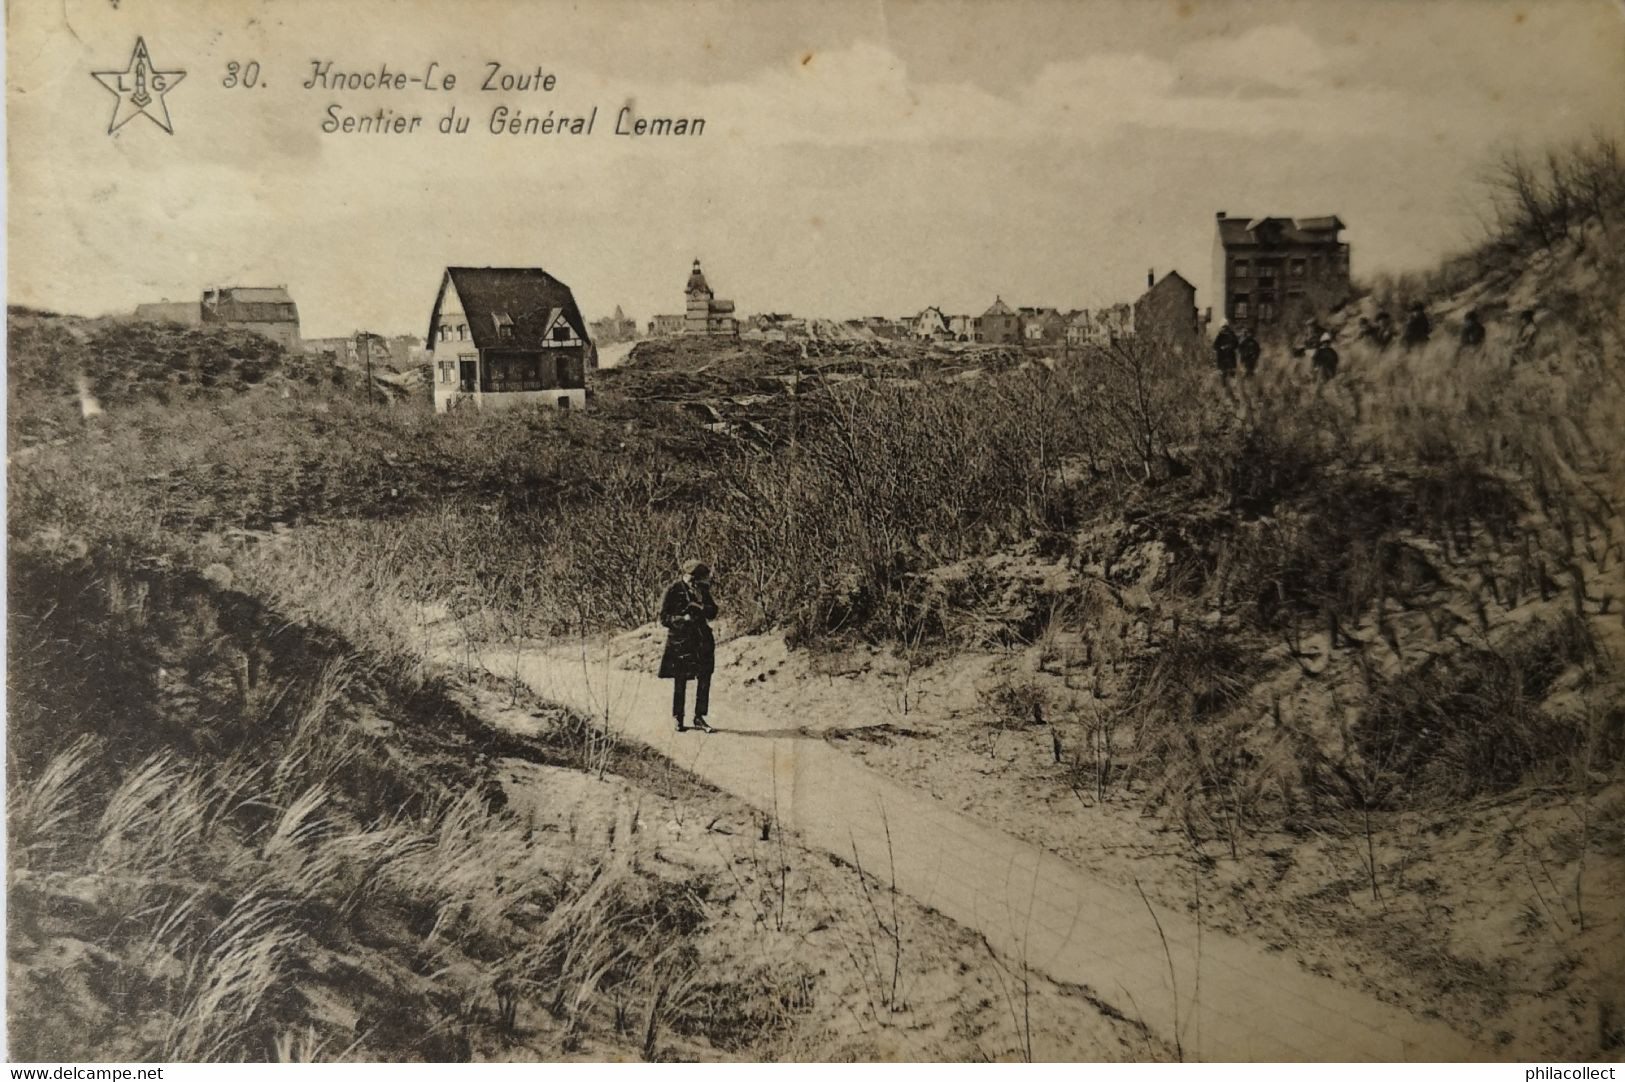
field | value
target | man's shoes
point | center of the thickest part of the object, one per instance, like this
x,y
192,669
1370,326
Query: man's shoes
x,y
684,728
701,725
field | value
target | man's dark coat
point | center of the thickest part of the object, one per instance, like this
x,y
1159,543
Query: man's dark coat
x,y
691,649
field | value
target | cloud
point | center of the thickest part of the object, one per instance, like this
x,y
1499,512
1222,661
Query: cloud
x,y
826,180
1268,81
1284,57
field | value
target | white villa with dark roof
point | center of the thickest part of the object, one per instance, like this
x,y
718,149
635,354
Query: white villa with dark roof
x,y
507,336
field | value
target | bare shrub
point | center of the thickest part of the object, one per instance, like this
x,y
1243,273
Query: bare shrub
x,y
1476,723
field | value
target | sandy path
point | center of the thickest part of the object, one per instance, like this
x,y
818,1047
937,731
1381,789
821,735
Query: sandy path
x,y
1224,997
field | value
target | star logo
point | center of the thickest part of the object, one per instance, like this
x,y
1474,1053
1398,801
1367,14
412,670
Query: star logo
x,y
140,89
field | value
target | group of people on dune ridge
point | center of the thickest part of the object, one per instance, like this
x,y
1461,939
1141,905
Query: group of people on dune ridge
x,y
1232,351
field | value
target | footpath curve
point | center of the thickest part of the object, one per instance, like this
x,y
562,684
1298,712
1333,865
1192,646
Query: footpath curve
x,y
1224,998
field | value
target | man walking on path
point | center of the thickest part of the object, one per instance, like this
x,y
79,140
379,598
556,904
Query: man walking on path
x,y
1224,352
691,649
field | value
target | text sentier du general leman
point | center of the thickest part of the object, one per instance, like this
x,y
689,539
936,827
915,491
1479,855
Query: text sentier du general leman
x,y
503,118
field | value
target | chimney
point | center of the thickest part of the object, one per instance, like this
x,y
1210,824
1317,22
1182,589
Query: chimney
x,y
1150,277
1220,215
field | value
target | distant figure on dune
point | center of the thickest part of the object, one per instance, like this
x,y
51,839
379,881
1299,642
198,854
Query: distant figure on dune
x,y
1312,334
686,612
1472,333
1325,359
1382,332
1249,350
1224,352
1523,349
1418,328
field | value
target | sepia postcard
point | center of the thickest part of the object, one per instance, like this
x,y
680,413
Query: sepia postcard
x,y
885,531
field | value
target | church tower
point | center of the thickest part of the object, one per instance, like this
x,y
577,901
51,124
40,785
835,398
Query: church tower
x,y
698,320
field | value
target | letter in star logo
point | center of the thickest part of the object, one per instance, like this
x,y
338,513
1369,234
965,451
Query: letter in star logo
x,y
140,89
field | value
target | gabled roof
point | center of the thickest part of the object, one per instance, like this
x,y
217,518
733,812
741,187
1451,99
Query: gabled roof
x,y
998,308
1172,278
1241,232
256,294
527,297
249,304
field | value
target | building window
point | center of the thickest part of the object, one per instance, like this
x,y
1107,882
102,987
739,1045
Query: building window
x,y
561,334
1238,310
462,332
1243,268
515,371
1296,267
504,331
448,371
1266,312
1266,273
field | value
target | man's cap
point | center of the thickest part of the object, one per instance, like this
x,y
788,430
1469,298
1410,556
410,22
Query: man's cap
x,y
695,569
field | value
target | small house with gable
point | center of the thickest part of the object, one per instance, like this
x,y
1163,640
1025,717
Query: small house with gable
x,y
266,310
507,336
1166,311
930,324
1000,324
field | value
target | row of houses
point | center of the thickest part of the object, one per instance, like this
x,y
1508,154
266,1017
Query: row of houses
x,y
498,336
1266,271
400,351
1167,308
502,336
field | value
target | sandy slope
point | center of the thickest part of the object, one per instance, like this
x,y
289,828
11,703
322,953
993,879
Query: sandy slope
x,y
1219,996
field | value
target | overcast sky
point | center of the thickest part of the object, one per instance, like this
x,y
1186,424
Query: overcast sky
x,y
859,158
